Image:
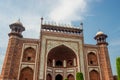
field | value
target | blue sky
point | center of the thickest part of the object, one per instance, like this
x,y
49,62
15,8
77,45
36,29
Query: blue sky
x,y
95,14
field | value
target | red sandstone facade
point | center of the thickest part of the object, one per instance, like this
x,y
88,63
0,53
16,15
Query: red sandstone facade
x,y
58,54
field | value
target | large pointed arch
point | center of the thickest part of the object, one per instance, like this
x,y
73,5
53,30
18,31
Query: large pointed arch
x,y
61,53
61,49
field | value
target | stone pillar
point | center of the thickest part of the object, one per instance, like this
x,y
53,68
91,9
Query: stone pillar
x,y
74,62
64,63
53,62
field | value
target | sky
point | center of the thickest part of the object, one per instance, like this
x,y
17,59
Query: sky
x,y
96,15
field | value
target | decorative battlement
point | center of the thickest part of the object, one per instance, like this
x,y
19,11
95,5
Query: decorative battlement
x,y
54,27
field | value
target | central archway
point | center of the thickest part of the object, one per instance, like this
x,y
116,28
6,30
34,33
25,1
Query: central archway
x,y
58,77
60,54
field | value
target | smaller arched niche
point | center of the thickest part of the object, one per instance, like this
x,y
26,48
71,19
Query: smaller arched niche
x,y
70,63
70,77
49,62
49,77
94,75
92,59
29,55
26,74
59,63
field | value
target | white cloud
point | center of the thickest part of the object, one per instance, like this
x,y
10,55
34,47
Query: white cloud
x,y
68,10
30,14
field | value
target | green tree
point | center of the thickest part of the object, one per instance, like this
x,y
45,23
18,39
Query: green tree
x,y
79,76
66,79
118,67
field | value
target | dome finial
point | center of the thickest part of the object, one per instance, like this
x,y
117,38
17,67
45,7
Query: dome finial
x,y
81,25
41,20
19,19
99,30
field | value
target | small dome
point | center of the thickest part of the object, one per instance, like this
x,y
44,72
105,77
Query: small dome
x,y
18,22
99,33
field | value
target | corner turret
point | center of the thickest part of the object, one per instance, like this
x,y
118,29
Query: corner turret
x,y
16,29
104,55
101,38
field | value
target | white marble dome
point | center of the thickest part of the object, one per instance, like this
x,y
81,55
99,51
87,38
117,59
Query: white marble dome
x,y
18,22
99,33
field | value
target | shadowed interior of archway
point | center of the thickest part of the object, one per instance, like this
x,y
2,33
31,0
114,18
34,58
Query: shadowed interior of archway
x,y
58,77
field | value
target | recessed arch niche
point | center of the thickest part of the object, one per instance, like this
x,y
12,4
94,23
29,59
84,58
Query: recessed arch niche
x,y
70,77
92,59
49,77
29,55
26,74
94,75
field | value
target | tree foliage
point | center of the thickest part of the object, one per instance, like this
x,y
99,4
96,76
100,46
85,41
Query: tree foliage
x,y
66,79
118,67
79,76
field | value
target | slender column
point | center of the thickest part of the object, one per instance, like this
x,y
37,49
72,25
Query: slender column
x,y
53,62
64,63
74,62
